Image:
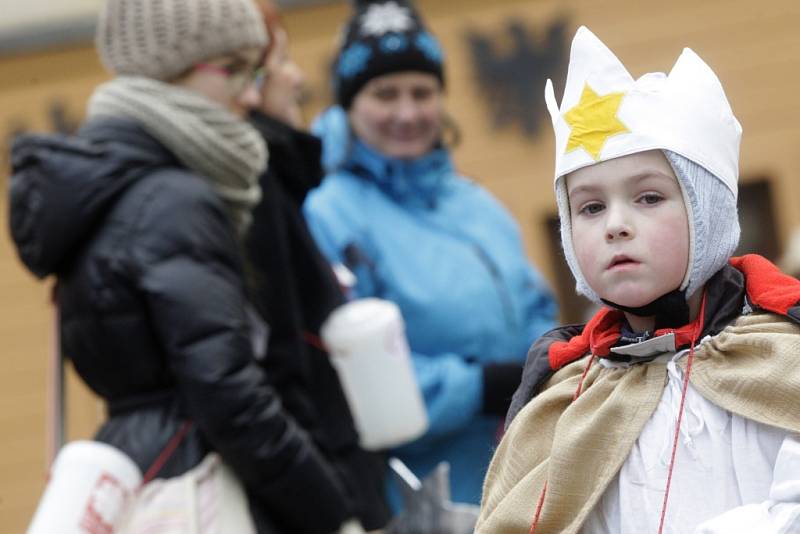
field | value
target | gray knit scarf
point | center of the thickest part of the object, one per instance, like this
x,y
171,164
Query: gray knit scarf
x,y
202,134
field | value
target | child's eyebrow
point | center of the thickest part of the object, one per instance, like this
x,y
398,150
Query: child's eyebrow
x,y
582,189
650,174
631,181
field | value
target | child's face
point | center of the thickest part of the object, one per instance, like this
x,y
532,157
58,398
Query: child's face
x,y
630,229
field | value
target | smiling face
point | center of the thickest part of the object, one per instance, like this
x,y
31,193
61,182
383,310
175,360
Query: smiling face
x,y
399,115
630,229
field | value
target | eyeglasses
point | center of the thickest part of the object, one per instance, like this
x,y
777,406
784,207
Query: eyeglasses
x,y
239,76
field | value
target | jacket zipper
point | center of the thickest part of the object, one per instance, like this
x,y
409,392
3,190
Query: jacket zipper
x,y
502,290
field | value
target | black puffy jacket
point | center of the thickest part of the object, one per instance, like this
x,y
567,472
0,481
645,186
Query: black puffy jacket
x,y
152,306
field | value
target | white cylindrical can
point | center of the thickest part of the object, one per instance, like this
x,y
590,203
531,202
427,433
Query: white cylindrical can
x,y
90,485
367,342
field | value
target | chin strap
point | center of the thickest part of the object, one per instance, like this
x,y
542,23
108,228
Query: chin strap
x,y
670,310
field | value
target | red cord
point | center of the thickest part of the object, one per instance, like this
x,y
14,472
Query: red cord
x,y
167,452
538,509
677,436
689,362
583,377
314,340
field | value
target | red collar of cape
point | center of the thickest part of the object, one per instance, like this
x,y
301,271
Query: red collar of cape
x,y
767,288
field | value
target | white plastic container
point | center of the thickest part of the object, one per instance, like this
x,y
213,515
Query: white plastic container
x,y
367,342
90,485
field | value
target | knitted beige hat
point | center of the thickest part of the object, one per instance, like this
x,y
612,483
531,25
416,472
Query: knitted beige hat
x,y
162,39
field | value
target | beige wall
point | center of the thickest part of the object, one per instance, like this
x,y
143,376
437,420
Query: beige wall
x,y
27,86
17,14
753,46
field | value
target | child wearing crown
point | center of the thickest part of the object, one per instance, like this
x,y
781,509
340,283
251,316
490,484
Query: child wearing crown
x,y
674,409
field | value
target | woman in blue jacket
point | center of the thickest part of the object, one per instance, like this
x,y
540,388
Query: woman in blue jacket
x,y
395,211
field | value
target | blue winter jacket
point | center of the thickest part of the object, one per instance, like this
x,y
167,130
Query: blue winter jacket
x,y
450,256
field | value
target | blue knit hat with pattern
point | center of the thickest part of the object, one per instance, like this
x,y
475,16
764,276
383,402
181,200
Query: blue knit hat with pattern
x,y
383,37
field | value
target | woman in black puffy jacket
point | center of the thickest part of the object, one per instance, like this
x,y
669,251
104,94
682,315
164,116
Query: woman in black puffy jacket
x,y
139,218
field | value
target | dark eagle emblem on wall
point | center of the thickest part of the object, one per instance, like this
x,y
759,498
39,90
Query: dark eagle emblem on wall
x,y
512,83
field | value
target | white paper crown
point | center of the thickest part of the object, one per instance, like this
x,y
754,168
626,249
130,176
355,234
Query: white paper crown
x,y
606,114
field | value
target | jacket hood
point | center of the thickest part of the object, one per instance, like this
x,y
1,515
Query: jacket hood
x,y
333,129
61,187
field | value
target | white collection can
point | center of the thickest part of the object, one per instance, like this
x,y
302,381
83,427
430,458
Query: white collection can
x,y
90,485
366,339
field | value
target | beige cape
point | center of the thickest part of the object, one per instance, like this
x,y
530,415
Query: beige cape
x,y
750,369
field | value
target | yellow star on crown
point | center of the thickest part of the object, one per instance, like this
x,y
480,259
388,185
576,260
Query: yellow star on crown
x,y
593,120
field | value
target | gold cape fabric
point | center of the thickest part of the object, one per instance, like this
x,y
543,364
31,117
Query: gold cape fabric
x,y
750,369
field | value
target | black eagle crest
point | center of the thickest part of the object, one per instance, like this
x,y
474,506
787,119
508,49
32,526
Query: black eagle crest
x,y
513,83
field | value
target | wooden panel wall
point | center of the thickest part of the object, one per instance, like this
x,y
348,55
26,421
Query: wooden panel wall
x,y
29,85
753,46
